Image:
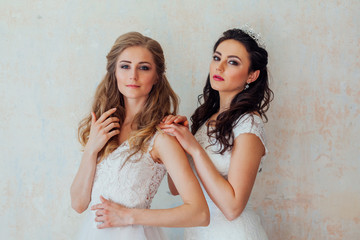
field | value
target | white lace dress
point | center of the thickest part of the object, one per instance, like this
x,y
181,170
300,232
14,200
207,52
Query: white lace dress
x,y
247,225
132,183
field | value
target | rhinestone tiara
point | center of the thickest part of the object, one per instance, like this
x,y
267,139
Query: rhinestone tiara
x,y
253,34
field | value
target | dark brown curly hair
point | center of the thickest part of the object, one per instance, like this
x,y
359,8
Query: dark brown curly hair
x,y
256,98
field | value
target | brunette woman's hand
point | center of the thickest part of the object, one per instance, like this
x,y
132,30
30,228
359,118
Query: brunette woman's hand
x,y
102,130
110,214
169,119
183,135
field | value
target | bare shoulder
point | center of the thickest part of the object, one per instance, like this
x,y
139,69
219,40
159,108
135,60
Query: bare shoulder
x,y
165,139
164,144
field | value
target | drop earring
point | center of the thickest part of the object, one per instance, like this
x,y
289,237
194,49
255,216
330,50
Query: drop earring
x,y
246,86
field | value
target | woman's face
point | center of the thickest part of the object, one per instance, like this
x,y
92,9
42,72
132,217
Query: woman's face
x,y
135,73
229,69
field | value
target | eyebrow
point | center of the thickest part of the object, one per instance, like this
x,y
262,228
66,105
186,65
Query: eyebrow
x,y
126,61
230,56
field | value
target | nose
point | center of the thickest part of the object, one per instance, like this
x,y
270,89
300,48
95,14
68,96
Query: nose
x,y
134,74
220,67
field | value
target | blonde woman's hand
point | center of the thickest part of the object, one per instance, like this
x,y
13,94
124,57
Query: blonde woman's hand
x,y
169,119
110,214
102,130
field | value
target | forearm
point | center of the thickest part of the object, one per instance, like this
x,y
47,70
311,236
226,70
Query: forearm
x,y
82,185
218,188
186,215
194,210
101,131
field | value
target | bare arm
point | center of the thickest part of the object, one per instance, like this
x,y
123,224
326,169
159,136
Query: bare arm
x,y
80,190
194,210
232,195
100,133
169,120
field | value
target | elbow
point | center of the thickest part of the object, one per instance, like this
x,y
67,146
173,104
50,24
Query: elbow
x,y
79,208
232,210
231,217
206,220
233,214
79,205
204,217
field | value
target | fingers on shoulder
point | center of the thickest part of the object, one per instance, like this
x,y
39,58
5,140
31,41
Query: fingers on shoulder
x,y
167,118
181,119
175,119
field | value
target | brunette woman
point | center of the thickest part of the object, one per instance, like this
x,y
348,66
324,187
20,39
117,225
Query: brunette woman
x,y
227,138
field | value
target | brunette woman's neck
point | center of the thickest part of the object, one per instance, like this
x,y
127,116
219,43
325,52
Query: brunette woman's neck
x,y
225,101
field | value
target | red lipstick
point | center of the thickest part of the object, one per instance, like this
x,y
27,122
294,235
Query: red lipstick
x,y
218,78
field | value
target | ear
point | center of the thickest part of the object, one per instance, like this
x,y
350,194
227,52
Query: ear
x,y
253,76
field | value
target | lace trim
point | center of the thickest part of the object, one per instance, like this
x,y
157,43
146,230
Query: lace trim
x,y
251,123
248,123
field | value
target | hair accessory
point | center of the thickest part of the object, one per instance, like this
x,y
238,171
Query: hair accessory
x,y
253,34
246,86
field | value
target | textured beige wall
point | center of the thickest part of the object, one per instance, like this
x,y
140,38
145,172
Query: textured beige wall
x,y
53,56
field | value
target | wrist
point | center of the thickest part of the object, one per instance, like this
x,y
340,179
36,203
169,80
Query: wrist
x,y
90,152
133,216
197,152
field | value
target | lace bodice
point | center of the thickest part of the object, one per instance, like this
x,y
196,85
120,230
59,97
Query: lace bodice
x,y
131,182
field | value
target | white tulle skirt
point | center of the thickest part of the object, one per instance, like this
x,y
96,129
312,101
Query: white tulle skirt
x,y
89,231
246,227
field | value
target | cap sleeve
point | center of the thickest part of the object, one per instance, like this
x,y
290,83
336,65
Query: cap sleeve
x,y
152,140
251,123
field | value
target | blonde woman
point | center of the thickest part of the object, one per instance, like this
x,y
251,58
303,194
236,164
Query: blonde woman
x,y
125,158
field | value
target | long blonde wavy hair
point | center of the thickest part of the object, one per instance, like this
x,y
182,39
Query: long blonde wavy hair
x,y
161,101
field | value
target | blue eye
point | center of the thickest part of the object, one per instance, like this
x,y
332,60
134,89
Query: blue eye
x,y
125,66
216,58
144,68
